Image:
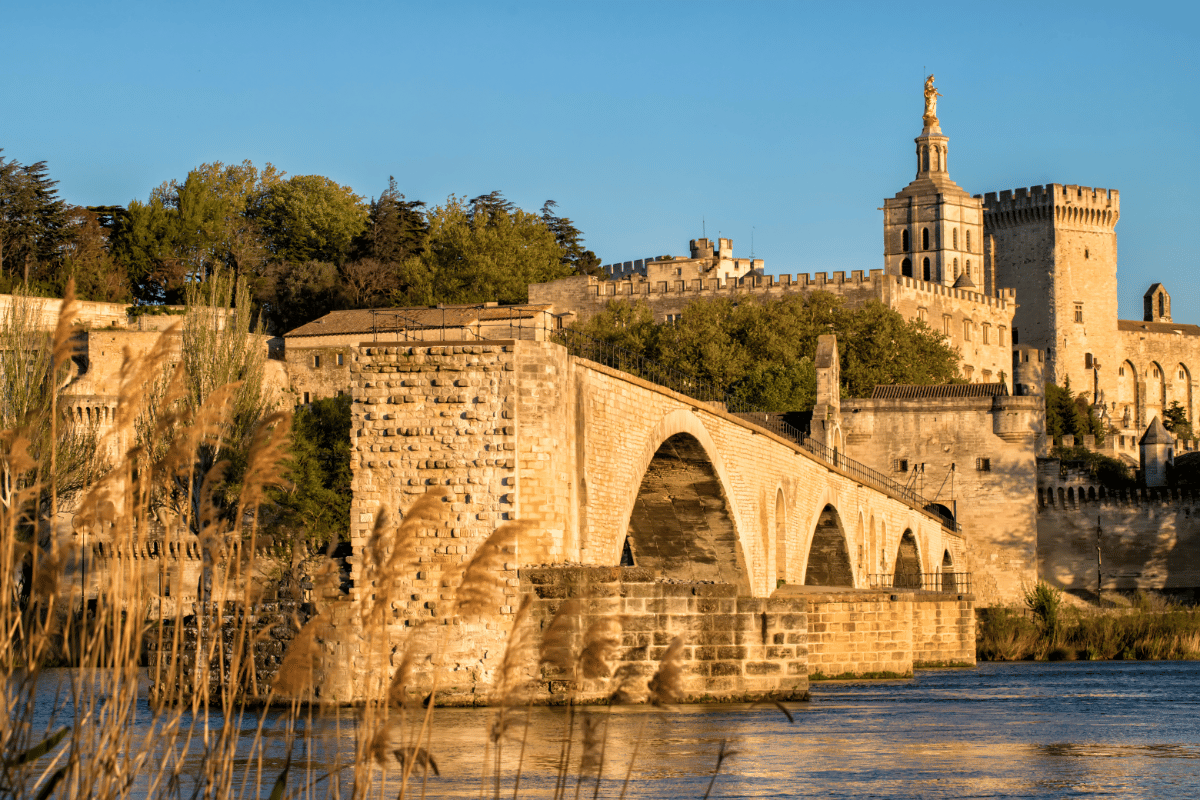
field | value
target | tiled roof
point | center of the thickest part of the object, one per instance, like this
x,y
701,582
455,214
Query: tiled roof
x,y
909,392
1158,327
366,320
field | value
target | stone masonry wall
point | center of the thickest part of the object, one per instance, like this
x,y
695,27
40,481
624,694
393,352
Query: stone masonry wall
x,y
734,648
952,438
1148,539
861,633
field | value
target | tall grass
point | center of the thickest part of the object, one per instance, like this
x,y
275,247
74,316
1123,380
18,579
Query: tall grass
x,y
1048,629
159,483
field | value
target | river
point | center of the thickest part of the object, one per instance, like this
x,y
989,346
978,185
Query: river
x,y
1072,729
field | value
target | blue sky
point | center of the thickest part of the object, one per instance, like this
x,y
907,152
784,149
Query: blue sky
x,y
788,122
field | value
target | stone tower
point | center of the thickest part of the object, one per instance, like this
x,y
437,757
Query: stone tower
x,y
1156,304
1057,246
1157,453
932,229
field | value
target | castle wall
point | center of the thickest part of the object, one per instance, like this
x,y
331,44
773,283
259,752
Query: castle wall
x,y
951,437
1148,539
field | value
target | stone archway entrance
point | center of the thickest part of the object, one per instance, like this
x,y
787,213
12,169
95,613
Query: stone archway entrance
x,y
908,563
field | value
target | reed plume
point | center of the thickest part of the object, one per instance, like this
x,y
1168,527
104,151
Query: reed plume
x,y
482,588
667,684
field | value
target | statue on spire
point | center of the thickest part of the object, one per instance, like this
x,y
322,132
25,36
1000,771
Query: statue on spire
x,y
931,96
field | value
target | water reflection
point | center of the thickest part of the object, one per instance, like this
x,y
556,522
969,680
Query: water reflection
x,y
1048,730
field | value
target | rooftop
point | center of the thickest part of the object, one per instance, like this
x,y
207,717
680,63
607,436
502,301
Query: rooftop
x,y
368,320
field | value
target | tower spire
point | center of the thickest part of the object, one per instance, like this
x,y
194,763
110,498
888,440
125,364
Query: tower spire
x,y
932,144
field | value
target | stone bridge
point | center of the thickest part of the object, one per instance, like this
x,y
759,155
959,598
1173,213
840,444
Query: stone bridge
x,y
610,470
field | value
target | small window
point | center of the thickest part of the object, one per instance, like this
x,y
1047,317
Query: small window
x,y
987,334
966,330
956,269
968,267
1079,312
1000,336
954,237
906,268
925,270
968,241
946,320
316,361
923,315
340,359
306,401
925,238
1087,360
900,465
1156,373
983,464
1180,374
1016,338
1121,372
1086,254
904,240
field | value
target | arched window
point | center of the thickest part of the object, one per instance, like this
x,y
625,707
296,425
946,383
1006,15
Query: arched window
x,y
904,240
968,241
925,270
906,268
968,267
955,238
956,269
925,238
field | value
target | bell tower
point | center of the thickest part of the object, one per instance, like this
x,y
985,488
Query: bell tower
x,y
932,229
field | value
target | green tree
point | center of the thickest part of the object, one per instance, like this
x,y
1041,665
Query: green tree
x,y
33,223
1175,420
1068,414
761,352
314,508
395,229
480,251
311,218
86,259
578,259
297,293
189,230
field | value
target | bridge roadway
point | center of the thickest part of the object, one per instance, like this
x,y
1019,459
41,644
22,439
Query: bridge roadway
x,y
610,468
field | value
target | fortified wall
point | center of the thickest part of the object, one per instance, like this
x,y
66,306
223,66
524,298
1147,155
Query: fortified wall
x,y
977,324
1130,539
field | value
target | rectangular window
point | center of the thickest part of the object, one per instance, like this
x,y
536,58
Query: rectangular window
x,y
983,464
340,360
966,330
1121,372
317,361
1087,360
1000,336
1079,312
923,314
946,320
1180,374
306,398
1016,338
987,334
900,465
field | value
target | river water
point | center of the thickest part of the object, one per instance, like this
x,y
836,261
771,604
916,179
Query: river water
x,y
1076,729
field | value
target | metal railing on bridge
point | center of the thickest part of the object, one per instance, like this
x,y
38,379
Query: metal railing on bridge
x,y
943,582
525,322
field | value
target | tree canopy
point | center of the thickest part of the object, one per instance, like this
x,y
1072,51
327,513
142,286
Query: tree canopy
x,y
761,352
1068,414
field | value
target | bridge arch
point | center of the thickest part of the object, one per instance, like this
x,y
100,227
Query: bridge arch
x,y
681,517
907,574
828,562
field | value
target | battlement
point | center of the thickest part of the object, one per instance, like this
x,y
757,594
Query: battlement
x,y
1065,203
1079,498
639,286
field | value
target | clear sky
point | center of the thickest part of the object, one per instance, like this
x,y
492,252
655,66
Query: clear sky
x,y
788,123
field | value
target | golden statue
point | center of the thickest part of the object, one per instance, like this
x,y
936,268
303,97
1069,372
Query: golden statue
x,y
931,96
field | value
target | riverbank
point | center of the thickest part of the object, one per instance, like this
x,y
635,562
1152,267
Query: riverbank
x,y
1151,628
